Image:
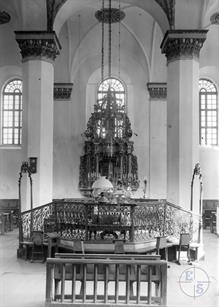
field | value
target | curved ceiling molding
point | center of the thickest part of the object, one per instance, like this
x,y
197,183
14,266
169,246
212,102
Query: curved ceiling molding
x,y
4,17
168,7
52,7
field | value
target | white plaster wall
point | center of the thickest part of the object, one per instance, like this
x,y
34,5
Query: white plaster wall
x,y
209,53
209,160
158,149
69,124
188,14
9,50
62,61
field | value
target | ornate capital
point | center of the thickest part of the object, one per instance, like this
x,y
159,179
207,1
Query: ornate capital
x,y
215,19
157,90
183,44
38,45
62,91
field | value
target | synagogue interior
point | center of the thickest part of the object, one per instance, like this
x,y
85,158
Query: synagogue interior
x,y
109,153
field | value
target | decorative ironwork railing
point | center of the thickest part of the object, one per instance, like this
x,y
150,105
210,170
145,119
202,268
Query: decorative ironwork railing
x,y
160,218
39,215
89,220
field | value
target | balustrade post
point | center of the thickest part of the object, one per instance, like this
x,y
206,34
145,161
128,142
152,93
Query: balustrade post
x,y
132,232
20,225
31,205
56,216
164,219
86,222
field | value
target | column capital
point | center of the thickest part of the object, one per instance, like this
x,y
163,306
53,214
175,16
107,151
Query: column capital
x,y
183,44
157,90
62,91
38,45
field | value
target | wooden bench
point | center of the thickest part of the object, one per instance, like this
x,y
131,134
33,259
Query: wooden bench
x,y
119,270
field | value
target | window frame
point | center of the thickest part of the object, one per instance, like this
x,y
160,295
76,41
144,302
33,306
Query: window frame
x,y
17,107
123,85
206,113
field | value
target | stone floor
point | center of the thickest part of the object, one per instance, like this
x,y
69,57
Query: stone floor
x,y
22,284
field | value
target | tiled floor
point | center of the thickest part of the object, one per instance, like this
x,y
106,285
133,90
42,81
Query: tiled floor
x,y
22,284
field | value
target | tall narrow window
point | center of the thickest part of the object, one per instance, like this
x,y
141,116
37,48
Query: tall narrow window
x,y
12,113
208,114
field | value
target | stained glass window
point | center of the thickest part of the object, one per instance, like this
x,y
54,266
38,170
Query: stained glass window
x,y
12,113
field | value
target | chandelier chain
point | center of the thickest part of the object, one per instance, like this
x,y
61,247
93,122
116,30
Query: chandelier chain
x,y
110,36
119,38
102,46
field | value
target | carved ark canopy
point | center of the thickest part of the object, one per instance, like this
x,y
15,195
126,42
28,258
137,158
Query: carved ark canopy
x,y
108,150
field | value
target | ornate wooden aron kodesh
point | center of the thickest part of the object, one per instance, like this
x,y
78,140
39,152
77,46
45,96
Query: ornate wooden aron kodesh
x,y
108,150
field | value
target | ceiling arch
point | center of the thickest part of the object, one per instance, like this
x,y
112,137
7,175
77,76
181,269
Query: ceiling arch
x,y
66,8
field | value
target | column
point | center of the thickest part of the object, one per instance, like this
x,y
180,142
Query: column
x,y
157,140
39,50
182,48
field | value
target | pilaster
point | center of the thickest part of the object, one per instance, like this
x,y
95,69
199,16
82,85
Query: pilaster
x,y
157,138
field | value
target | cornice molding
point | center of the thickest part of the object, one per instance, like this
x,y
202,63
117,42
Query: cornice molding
x,y
183,44
215,18
36,45
157,90
62,91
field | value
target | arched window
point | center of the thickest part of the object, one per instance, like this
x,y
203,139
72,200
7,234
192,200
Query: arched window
x,y
111,100
117,87
11,132
208,114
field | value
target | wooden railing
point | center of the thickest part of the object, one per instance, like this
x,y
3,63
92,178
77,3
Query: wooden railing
x,y
127,282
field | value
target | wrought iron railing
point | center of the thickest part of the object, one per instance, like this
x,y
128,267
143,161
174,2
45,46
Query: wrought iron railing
x,y
89,220
160,218
39,215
